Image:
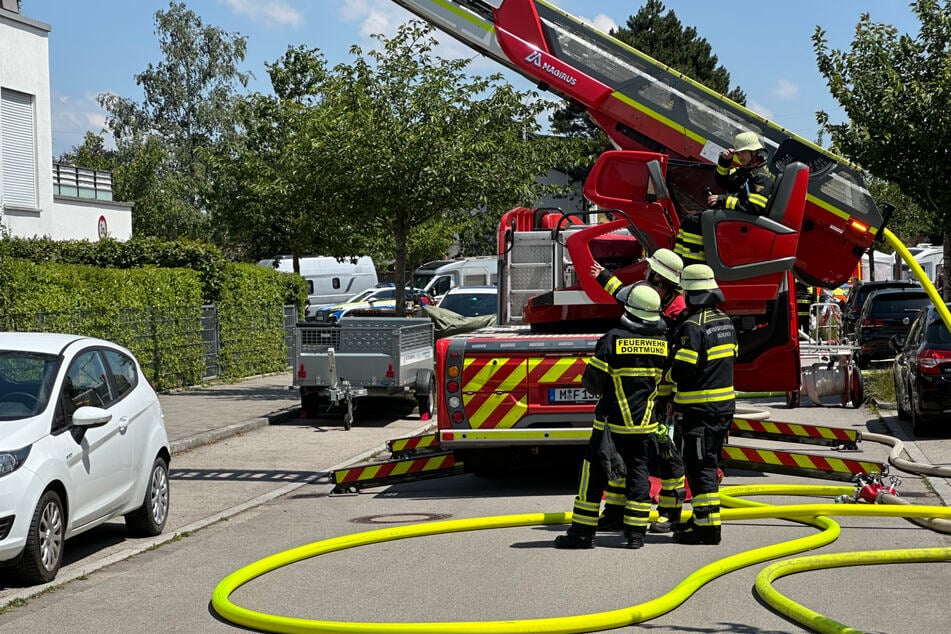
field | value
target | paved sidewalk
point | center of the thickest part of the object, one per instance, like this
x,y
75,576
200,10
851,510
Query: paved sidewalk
x,y
202,415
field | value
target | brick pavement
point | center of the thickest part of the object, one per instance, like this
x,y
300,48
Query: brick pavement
x,y
201,415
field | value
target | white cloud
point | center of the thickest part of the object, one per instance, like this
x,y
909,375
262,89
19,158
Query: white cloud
x,y
786,89
760,109
271,12
601,22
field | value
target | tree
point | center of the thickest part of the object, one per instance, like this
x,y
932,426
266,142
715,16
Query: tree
x,y
664,37
188,108
895,91
378,153
91,154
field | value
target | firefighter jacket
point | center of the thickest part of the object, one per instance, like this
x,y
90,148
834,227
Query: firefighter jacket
x,y
702,369
805,298
670,307
627,365
749,188
688,243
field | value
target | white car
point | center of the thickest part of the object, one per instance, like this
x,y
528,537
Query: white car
x,y
82,441
471,301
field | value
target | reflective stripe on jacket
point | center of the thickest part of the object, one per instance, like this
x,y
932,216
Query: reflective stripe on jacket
x,y
702,369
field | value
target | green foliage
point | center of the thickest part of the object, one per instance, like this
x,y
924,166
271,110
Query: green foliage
x,y
363,158
188,107
205,259
896,92
156,313
251,322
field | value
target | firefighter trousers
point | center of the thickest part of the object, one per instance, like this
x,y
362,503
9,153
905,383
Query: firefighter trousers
x,y
703,438
592,482
665,463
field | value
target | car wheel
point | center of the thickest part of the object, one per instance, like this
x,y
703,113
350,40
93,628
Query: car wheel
x,y
426,394
792,399
918,425
43,554
149,519
903,413
862,361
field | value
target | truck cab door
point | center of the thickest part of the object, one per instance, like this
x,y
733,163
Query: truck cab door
x,y
634,183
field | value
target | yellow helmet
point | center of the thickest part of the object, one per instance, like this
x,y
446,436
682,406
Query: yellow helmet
x,y
747,141
698,277
641,301
667,264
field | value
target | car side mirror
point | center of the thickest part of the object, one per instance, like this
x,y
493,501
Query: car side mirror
x,y
896,343
88,417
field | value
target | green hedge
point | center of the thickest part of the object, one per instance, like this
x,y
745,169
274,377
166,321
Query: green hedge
x,y
154,312
147,294
251,321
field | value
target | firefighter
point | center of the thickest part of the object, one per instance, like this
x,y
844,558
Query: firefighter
x,y
805,296
627,365
742,172
702,370
664,461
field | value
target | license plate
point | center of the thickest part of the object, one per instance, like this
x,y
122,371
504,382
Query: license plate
x,y
570,395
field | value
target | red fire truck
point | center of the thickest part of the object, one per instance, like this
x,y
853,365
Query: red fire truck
x,y
517,387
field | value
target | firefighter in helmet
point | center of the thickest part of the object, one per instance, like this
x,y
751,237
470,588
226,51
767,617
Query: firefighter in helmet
x,y
805,297
664,461
742,172
628,363
702,370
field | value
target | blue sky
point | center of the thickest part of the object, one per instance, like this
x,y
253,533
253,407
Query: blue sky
x,y
99,46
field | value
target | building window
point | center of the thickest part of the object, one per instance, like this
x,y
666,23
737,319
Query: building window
x,y
18,138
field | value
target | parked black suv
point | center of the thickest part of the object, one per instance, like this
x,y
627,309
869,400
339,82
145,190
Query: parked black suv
x,y
857,295
922,371
886,312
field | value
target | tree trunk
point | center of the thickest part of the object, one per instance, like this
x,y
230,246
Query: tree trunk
x,y
399,271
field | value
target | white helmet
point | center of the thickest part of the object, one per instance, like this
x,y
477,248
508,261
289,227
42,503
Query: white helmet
x,y
698,277
640,301
667,264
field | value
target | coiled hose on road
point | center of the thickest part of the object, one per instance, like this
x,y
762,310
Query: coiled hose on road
x,y
734,508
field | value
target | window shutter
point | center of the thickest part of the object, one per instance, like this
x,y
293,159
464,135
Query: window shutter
x,y
17,133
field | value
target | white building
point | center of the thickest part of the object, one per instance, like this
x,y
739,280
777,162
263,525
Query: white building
x,y
38,198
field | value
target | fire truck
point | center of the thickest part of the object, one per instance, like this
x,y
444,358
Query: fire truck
x,y
514,390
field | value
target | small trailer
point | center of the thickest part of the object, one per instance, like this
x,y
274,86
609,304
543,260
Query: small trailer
x,y
364,356
827,360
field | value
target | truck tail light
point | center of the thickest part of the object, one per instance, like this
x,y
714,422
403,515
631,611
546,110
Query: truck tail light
x,y
389,372
301,372
929,361
868,321
452,387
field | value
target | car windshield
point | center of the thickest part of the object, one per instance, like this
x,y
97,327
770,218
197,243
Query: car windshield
x,y
470,305
26,382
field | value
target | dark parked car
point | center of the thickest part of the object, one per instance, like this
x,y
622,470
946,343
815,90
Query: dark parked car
x,y
922,371
856,298
886,312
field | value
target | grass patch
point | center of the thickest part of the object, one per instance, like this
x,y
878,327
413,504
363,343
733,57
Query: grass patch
x,y
879,387
16,603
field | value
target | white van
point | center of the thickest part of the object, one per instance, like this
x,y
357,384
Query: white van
x,y
437,277
329,281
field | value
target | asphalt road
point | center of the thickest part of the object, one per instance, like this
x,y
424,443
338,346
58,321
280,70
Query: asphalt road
x,y
244,498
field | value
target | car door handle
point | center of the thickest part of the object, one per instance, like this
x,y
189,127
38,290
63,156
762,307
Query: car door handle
x,y
123,423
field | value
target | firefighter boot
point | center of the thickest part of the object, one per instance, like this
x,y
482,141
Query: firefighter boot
x,y
693,534
612,519
633,539
662,525
577,537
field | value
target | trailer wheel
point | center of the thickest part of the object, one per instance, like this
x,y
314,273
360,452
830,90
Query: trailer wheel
x,y
426,394
856,388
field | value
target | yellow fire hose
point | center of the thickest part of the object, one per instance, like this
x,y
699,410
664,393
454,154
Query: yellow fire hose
x,y
734,509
